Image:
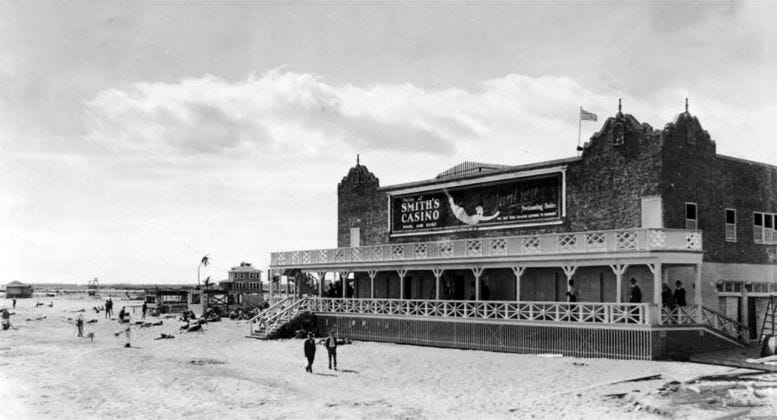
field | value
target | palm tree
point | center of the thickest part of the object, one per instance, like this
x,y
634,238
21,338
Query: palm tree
x,y
205,297
204,261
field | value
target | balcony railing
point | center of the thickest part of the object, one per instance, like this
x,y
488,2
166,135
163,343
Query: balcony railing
x,y
624,240
581,312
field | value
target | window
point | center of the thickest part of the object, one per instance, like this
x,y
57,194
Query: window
x,y
690,216
765,228
731,225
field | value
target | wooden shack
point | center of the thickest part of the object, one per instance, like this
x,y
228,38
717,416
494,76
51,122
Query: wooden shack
x,y
17,289
167,300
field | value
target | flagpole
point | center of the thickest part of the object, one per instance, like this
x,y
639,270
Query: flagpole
x,y
579,127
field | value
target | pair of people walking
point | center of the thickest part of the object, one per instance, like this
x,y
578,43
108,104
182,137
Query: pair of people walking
x,y
330,342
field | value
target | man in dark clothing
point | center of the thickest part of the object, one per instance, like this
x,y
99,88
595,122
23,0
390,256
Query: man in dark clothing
x,y
144,309
635,293
310,352
331,347
679,294
122,313
666,297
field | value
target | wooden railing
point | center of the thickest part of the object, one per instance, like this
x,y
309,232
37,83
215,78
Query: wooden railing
x,y
698,314
624,240
280,314
275,305
581,312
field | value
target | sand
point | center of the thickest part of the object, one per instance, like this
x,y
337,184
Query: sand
x,y
47,372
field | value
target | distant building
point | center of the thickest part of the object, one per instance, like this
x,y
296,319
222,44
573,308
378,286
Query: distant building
x,y
243,278
16,289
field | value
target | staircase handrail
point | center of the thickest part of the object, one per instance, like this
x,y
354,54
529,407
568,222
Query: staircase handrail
x,y
281,315
723,323
272,307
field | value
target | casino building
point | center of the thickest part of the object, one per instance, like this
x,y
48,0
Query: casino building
x,y
481,256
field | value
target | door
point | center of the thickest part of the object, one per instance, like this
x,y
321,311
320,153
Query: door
x,y
652,216
752,318
355,237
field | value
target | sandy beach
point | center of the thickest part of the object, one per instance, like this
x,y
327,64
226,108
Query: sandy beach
x,y
48,372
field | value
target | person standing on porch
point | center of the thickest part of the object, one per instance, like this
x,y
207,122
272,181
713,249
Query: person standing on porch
x,y
635,293
679,294
666,296
571,291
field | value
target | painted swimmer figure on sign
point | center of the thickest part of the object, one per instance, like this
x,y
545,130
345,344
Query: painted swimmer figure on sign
x,y
462,215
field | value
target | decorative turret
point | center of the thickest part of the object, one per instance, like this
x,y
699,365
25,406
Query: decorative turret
x,y
621,132
359,176
686,129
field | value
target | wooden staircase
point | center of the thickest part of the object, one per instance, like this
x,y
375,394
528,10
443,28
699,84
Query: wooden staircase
x,y
267,324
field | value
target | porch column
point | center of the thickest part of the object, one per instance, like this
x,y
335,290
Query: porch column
x,y
619,269
569,271
437,274
518,271
344,281
477,271
697,293
401,272
270,278
656,270
321,276
372,274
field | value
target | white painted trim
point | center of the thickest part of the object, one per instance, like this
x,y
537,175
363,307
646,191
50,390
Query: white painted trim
x,y
483,180
564,191
512,226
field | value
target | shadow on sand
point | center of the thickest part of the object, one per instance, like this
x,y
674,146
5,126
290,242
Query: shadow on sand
x,y
325,374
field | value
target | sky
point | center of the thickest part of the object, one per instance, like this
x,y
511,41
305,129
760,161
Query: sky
x,y
137,137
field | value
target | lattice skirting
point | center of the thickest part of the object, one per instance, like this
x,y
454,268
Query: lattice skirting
x,y
634,342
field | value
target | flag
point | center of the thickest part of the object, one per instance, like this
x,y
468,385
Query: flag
x,y
587,116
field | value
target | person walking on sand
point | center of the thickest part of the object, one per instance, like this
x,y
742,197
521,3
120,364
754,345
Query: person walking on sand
x,y
108,308
80,325
14,304
6,319
122,314
144,309
310,352
330,342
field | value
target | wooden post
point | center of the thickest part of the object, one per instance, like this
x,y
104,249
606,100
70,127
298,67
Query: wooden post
x,y
619,269
372,274
321,276
518,271
401,272
656,270
437,274
344,281
477,271
569,271
697,293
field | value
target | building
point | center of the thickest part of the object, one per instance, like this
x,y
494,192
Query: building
x,y
482,256
243,278
17,289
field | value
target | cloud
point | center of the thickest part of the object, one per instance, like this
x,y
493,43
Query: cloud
x,y
286,112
